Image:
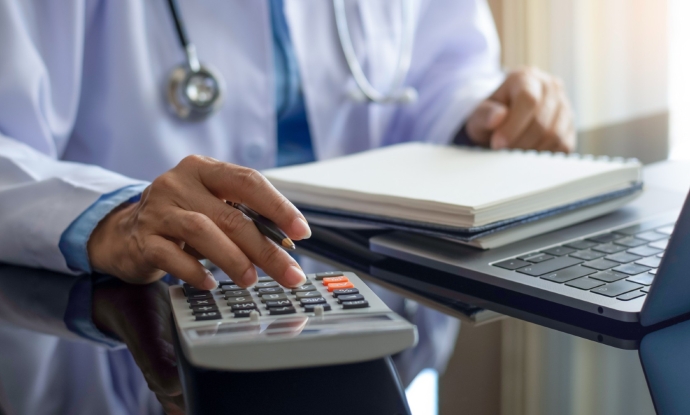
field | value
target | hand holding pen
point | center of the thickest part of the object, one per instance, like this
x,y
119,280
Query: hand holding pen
x,y
265,226
185,208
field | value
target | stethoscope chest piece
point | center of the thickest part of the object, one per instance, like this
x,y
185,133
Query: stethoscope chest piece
x,y
194,95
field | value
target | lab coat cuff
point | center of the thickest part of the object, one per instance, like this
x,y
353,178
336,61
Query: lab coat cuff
x,y
78,316
462,103
75,238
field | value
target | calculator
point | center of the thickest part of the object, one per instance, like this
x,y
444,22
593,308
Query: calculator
x,y
334,318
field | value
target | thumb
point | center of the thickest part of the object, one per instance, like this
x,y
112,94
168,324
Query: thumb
x,y
484,120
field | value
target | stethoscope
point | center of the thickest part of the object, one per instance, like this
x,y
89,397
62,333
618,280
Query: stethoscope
x,y
195,91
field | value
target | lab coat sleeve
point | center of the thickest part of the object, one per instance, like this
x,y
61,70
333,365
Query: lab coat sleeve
x,y
40,90
453,79
39,198
74,240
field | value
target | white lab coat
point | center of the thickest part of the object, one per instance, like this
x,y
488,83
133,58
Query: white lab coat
x,y
82,81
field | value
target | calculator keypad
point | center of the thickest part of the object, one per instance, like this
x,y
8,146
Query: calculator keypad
x,y
328,290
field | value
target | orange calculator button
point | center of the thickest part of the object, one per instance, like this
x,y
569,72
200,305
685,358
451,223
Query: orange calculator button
x,y
331,280
340,285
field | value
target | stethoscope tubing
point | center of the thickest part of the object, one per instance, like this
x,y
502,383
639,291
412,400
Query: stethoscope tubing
x,y
402,67
395,94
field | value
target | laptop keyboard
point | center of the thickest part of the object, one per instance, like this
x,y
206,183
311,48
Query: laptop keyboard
x,y
620,264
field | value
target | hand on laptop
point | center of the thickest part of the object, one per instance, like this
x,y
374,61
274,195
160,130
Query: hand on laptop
x,y
529,110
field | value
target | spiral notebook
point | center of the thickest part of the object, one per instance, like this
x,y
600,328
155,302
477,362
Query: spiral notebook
x,y
459,192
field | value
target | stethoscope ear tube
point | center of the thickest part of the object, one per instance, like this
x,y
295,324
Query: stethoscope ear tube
x,y
367,93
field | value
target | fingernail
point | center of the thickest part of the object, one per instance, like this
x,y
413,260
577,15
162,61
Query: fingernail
x,y
294,277
249,277
209,283
499,142
301,228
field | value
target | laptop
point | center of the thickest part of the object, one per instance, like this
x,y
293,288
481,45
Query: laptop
x,y
632,265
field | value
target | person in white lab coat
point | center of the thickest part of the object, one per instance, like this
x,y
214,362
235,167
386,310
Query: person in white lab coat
x,y
96,173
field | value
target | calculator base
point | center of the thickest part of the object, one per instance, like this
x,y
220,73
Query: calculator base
x,y
371,387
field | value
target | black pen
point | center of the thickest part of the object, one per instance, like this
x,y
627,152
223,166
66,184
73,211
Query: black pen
x,y
265,226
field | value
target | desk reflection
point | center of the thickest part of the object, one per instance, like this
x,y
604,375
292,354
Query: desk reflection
x,y
139,316
665,358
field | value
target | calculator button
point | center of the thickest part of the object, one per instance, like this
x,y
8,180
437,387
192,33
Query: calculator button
x,y
243,306
200,296
270,284
273,297
315,300
265,278
204,309
303,288
188,289
206,301
331,280
240,300
309,308
282,310
308,294
355,304
340,286
351,297
211,315
272,290
321,275
242,313
226,282
230,287
278,303
240,293
345,291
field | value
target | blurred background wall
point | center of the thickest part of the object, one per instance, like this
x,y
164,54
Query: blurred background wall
x,y
625,64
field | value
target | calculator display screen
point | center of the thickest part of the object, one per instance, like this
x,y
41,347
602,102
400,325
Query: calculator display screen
x,y
288,326
349,320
